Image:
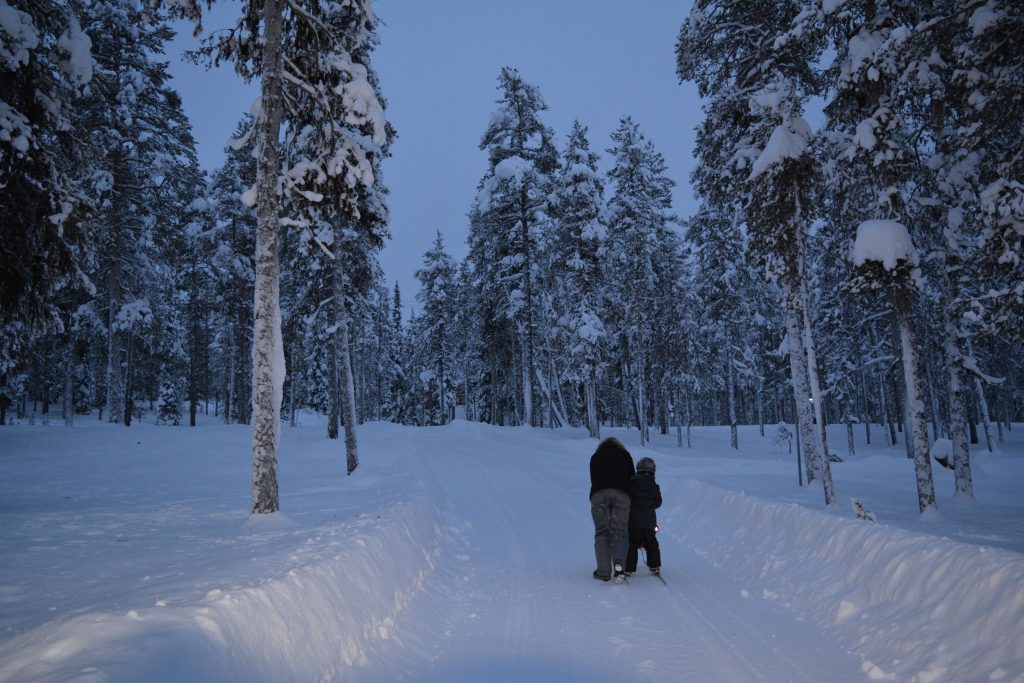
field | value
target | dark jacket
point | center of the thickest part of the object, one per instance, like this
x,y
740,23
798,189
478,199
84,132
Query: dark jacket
x,y
611,467
644,499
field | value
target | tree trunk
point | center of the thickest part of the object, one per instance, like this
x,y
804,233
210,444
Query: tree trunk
x,y
760,401
69,380
641,406
128,405
348,399
242,403
734,440
114,378
334,383
801,388
918,423
850,449
963,480
886,414
865,410
267,348
593,425
983,404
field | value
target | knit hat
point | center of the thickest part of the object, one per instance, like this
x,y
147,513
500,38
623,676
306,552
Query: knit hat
x,y
646,465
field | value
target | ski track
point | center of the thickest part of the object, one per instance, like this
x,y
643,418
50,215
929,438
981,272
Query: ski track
x,y
521,604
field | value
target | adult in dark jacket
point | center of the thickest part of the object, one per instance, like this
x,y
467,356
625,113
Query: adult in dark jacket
x,y
645,498
611,471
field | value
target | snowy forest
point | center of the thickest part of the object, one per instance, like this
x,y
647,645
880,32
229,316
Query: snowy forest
x,y
866,271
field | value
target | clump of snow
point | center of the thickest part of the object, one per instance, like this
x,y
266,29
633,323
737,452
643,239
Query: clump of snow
x,y
942,452
78,48
860,52
21,36
787,141
984,18
865,134
885,241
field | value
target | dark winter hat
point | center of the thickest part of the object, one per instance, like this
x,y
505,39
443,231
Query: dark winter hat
x,y
646,465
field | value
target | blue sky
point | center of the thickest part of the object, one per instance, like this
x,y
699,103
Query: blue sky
x,y
438,62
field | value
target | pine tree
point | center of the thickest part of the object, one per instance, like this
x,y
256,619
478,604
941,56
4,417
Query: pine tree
x,y
504,233
578,233
145,166
231,241
638,215
45,62
437,281
755,149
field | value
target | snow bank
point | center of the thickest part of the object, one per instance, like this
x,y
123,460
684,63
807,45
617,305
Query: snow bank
x,y
887,242
319,621
914,607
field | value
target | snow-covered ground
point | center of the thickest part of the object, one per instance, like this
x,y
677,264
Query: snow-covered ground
x,y
464,553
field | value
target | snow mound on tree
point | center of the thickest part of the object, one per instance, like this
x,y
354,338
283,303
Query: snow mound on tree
x,y
787,141
885,241
913,606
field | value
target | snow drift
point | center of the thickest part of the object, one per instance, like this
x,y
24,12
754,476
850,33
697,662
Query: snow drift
x,y
320,621
914,607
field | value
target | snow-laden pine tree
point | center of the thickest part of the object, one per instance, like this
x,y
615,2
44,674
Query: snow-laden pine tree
x,y
754,147
575,246
504,235
885,257
724,286
313,62
883,64
45,62
337,138
398,374
231,242
638,216
990,70
144,145
436,295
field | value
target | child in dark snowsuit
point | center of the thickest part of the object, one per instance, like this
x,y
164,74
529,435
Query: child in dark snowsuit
x,y
645,498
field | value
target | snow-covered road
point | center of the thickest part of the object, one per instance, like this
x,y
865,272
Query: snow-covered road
x,y
464,553
524,607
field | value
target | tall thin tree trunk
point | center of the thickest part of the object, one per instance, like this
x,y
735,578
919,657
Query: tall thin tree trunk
x,y
689,420
228,388
267,349
114,376
527,413
734,440
886,414
333,371
865,409
850,448
641,413
983,405
128,405
69,380
760,401
348,399
812,374
801,386
918,423
963,480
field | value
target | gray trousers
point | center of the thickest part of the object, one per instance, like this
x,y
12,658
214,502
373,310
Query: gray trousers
x,y
610,509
